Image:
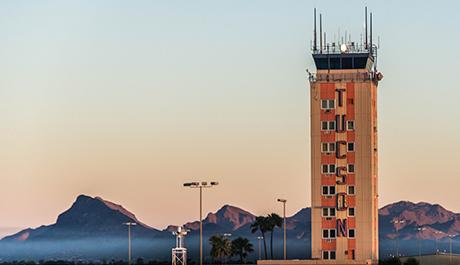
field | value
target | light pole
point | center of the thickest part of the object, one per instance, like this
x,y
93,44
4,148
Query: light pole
x,y
283,201
450,248
201,185
259,238
397,223
129,224
436,241
226,236
420,230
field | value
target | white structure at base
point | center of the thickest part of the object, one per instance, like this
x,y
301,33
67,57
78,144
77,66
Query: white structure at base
x,y
179,253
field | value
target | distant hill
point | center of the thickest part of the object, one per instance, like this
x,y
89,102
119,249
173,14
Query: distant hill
x,y
87,218
437,221
92,229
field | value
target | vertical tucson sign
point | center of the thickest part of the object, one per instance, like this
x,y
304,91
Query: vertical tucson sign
x,y
344,148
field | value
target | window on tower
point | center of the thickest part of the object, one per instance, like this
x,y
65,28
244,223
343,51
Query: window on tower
x,y
327,147
328,254
331,125
350,125
332,254
351,147
329,233
328,169
328,190
351,168
351,190
351,211
328,212
327,125
351,233
327,104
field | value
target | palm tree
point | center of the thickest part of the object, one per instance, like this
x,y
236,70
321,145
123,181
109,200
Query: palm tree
x,y
220,247
241,247
411,261
274,221
261,224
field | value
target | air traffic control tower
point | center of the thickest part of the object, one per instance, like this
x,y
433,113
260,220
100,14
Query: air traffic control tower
x,y
344,161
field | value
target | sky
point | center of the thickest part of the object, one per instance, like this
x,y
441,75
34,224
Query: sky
x,y
129,99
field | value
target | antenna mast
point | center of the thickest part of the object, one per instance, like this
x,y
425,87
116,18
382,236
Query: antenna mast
x,y
314,32
370,35
320,33
365,27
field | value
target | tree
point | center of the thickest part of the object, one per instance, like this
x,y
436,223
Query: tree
x,y
411,261
261,224
221,247
140,261
390,261
274,221
241,247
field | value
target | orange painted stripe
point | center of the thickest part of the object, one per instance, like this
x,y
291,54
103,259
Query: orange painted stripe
x,y
327,137
350,134
327,91
351,179
329,180
351,201
351,222
328,202
351,157
328,159
328,244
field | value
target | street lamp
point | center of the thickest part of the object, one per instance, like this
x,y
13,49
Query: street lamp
x,y
283,201
226,236
450,248
259,238
397,223
129,224
420,230
436,241
201,185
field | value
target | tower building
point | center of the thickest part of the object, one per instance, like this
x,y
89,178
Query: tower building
x,y
344,222
344,161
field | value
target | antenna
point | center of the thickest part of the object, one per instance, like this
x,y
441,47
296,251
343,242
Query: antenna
x,y
320,33
370,34
314,32
365,28
325,42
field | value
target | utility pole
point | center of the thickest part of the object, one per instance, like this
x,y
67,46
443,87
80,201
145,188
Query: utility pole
x,y
283,201
420,230
397,223
129,224
436,241
259,239
450,248
201,185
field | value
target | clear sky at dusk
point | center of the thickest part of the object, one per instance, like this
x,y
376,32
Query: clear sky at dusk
x,y
128,99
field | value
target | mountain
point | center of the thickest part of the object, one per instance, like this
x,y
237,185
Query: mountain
x,y
87,218
228,218
435,221
92,229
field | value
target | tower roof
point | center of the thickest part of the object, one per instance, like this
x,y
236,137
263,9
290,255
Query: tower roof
x,y
331,61
344,54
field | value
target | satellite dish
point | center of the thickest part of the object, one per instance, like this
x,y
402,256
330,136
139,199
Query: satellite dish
x,y
343,48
